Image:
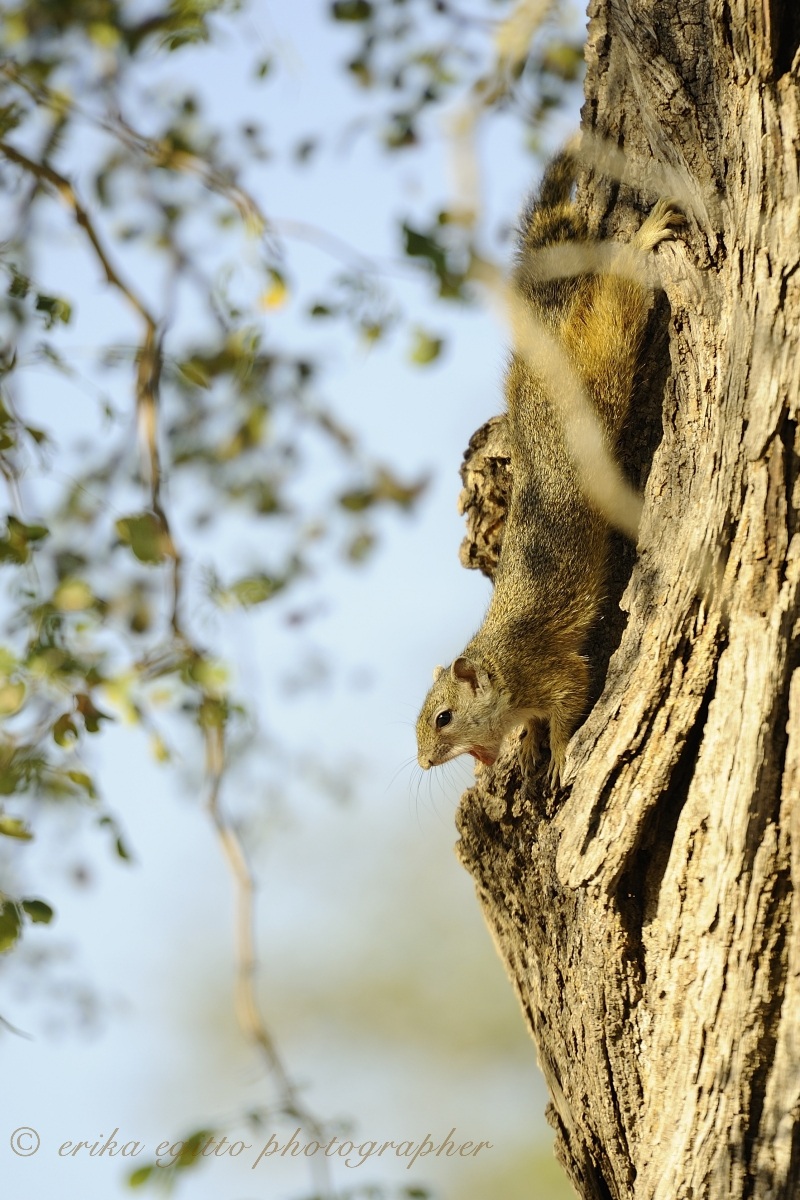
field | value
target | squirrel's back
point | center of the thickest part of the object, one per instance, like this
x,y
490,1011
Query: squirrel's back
x,y
526,664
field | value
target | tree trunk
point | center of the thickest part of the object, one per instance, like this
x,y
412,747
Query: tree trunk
x,y
649,914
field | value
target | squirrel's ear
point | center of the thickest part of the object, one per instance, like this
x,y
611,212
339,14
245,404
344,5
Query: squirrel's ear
x,y
464,671
437,671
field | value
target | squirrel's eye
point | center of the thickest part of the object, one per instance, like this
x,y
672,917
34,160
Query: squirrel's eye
x,y
443,718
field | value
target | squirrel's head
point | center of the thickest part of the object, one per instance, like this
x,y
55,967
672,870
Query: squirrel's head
x,y
460,715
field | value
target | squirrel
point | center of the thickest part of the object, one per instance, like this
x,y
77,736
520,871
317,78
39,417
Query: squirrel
x,y
526,664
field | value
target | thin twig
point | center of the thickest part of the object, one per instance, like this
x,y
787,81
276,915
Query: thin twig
x,y
161,153
13,1028
250,1018
148,375
45,173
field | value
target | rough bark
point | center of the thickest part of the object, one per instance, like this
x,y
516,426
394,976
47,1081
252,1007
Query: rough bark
x,y
648,914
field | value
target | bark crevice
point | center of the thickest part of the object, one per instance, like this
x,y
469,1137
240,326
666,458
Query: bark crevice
x,y
785,25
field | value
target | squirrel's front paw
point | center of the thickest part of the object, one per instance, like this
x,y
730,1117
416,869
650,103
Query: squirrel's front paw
x,y
531,746
554,772
558,752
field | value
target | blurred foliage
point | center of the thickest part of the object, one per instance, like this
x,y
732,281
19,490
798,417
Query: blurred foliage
x,y
97,582
107,152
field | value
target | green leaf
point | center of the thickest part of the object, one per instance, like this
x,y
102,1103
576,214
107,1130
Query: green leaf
x,y
10,114
119,845
255,589
276,292
12,696
38,910
426,246
8,661
13,827
140,1176
425,348
422,245
73,595
64,731
387,488
34,533
146,536
19,286
359,69
351,10
15,545
212,713
361,546
92,715
357,499
54,309
37,435
391,490
401,132
82,781
564,60
371,331
194,370
191,1147
10,925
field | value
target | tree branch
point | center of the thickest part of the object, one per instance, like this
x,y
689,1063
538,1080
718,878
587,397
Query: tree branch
x,y
248,1012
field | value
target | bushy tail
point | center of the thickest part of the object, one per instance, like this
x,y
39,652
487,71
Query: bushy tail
x,y
557,181
549,282
550,216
